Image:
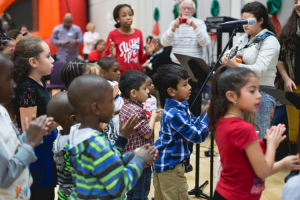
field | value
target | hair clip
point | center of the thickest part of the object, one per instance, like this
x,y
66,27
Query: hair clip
x,y
14,48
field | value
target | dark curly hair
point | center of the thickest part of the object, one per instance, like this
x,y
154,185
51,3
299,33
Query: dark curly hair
x,y
71,70
27,47
259,11
116,13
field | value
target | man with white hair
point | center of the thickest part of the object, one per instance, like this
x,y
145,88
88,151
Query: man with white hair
x,y
186,38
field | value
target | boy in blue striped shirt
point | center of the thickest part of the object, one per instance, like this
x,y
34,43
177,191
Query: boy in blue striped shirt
x,y
179,130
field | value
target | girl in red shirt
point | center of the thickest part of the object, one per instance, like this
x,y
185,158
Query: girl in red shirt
x,y
98,51
236,91
126,43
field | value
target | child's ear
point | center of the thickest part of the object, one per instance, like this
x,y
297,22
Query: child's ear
x,y
104,73
171,92
95,108
133,93
231,96
74,119
33,62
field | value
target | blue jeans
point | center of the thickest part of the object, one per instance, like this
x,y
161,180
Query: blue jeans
x,y
142,188
264,112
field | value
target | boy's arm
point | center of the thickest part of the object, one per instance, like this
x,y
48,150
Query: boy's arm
x,y
10,169
110,170
195,132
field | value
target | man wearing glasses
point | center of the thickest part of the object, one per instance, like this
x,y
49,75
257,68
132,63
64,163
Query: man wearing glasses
x,y
187,35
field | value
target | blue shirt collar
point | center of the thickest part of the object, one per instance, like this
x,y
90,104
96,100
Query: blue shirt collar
x,y
178,104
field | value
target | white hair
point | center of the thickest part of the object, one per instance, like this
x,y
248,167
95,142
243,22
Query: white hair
x,y
194,6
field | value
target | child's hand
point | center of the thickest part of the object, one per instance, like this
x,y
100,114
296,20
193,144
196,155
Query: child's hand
x,y
274,135
130,126
148,152
157,114
49,125
290,163
206,107
116,90
102,126
150,46
36,130
112,48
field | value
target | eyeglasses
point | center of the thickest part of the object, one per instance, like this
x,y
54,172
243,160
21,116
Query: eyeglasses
x,y
188,8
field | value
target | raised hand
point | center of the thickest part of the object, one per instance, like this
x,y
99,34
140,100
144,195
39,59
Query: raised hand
x,y
206,107
274,135
129,127
112,48
175,25
151,46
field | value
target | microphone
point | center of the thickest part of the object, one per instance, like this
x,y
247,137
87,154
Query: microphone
x,y
249,21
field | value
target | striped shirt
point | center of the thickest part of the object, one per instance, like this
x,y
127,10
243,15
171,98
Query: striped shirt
x,y
98,171
179,129
64,176
186,40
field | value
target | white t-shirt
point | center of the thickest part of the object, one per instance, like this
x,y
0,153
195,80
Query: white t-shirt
x,y
150,104
89,37
118,103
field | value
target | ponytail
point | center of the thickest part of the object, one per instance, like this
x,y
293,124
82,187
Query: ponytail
x,y
226,79
26,48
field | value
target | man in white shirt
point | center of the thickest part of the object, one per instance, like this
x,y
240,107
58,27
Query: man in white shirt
x,y
186,38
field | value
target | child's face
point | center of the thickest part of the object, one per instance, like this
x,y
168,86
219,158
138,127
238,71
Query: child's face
x,y
150,86
7,84
142,94
183,91
249,98
125,17
252,29
107,106
45,61
101,47
113,73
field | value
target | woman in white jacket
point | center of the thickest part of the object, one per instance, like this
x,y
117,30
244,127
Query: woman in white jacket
x,y
259,49
90,38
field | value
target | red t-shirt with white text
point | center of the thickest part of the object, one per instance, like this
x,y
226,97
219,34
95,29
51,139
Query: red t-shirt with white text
x,y
238,179
129,49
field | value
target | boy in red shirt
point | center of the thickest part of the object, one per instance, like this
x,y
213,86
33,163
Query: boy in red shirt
x,y
134,89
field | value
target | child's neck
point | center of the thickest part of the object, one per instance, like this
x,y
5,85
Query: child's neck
x,y
66,129
126,30
89,122
35,76
233,111
132,98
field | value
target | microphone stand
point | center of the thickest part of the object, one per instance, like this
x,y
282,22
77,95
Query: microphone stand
x,y
212,137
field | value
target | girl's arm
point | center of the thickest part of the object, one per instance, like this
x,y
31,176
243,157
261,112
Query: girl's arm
x,y
288,82
27,113
263,165
287,163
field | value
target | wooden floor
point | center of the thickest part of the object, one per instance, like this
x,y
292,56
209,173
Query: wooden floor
x,y
274,184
